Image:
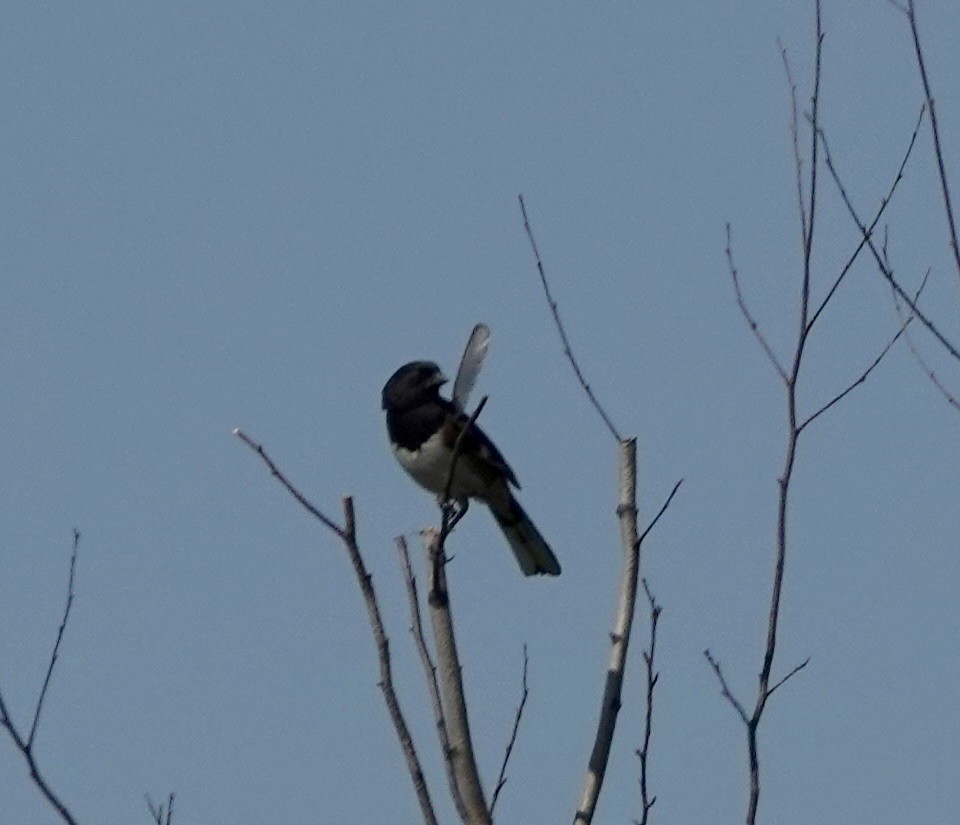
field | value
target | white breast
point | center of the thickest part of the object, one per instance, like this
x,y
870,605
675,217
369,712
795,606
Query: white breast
x,y
429,466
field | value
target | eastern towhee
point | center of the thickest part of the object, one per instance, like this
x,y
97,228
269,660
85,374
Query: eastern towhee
x,y
423,429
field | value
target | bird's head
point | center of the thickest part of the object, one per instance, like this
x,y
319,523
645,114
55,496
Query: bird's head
x,y
412,384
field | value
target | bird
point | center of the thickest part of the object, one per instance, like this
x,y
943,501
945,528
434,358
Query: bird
x,y
423,428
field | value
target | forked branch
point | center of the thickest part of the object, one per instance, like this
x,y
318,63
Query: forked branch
x,y
25,744
348,537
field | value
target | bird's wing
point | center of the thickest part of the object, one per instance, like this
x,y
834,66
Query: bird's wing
x,y
470,365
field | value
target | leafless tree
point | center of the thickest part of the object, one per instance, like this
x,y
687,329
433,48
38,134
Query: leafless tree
x,y
790,370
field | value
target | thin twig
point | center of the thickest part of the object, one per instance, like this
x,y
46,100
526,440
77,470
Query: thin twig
x,y
935,128
502,778
812,192
56,646
649,658
447,524
924,366
660,512
745,310
25,745
881,265
725,688
348,536
873,224
275,472
860,380
795,138
159,814
430,671
567,350
792,673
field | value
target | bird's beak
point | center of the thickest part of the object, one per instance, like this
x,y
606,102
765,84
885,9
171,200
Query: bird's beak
x,y
440,379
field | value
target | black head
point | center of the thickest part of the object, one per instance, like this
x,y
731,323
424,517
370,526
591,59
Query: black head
x,y
412,384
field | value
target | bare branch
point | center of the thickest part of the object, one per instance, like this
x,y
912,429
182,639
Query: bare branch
x,y
430,671
649,658
461,756
275,472
662,510
619,638
860,380
502,778
814,170
159,814
873,225
348,536
792,673
725,688
56,646
567,350
928,371
795,136
25,745
935,128
751,322
881,264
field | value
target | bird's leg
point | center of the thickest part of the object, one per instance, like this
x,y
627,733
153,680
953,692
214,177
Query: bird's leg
x,y
453,510
460,510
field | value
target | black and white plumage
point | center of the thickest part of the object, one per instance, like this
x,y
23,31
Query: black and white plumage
x,y
423,429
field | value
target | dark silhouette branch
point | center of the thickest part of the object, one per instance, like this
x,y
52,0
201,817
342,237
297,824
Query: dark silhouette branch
x,y
660,512
25,744
877,256
158,813
567,350
649,659
791,674
860,380
873,224
448,518
56,646
502,777
948,396
911,12
348,537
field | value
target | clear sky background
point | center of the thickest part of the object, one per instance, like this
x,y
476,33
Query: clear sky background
x,y
249,214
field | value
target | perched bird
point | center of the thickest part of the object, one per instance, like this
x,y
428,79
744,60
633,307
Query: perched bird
x,y
423,429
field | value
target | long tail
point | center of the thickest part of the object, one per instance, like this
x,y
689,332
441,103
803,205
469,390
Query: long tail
x,y
531,549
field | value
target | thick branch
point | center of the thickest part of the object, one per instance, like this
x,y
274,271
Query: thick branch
x,y
463,763
619,638
430,671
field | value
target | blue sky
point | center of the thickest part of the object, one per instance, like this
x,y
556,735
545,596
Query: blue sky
x,y
249,214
